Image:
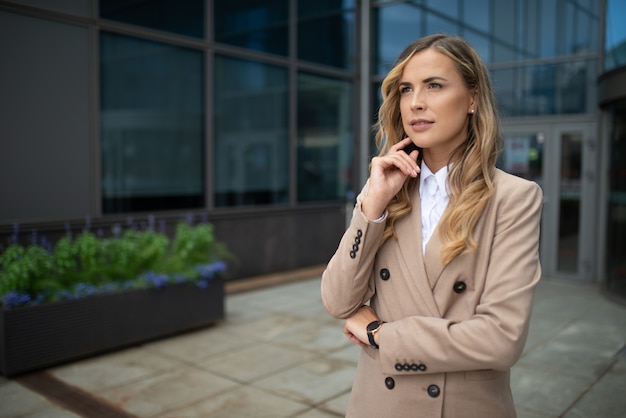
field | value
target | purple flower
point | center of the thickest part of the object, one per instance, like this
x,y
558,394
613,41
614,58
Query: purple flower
x,y
207,271
16,233
155,279
68,230
14,299
84,289
33,237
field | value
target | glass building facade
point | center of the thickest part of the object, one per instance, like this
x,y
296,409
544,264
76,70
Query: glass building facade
x,y
256,114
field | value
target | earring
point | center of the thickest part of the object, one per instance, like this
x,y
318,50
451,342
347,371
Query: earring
x,y
472,111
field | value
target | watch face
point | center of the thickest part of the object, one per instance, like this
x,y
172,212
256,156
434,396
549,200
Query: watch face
x,y
372,325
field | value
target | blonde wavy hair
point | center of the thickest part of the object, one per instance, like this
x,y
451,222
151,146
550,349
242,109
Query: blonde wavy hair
x,y
471,176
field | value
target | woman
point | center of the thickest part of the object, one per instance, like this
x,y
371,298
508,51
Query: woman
x,y
436,273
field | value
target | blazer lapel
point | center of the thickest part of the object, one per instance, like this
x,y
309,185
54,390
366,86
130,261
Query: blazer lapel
x,y
409,234
432,258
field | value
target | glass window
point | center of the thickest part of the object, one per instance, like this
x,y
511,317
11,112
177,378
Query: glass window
x,y
308,8
616,215
396,27
327,39
152,127
528,31
615,37
538,87
504,48
504,89
251,152
260,25
183,17
547,15
446,7
437,24
547,89
477,13
480,43
325,138
79,7
577,87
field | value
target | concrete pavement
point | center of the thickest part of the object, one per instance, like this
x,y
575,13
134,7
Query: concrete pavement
x,y
279,354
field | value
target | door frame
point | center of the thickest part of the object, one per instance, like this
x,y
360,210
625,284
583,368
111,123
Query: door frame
x,y
589,185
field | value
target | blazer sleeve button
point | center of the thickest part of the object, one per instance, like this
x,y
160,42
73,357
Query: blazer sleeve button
x,y
359,233
398,367
433,391
422,367
459,287
352,254
390,383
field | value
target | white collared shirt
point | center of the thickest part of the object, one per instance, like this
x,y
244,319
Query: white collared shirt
x,y
434,199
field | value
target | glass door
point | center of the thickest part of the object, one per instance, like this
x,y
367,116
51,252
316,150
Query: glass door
x,y
562,160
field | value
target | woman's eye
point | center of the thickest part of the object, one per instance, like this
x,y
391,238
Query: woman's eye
x,y
434,86
405,89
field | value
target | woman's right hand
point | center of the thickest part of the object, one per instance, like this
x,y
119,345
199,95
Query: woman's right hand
x,y
387,175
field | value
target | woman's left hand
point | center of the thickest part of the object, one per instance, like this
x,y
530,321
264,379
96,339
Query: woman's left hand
x,y
355,327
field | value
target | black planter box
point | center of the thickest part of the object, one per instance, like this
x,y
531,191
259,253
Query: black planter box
x,y
35,337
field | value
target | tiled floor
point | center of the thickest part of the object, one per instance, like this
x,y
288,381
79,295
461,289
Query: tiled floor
x,y
278,354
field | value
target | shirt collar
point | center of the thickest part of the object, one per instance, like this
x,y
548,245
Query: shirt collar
x,y
441,176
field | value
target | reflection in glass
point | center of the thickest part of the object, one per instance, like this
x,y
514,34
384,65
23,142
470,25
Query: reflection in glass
x,y
437,24
328,39
257,25
181,17
522,155
546,89
325,137
446,7
615,36
152,127
396,26
478,15
616,217
569,203
547,27
251,151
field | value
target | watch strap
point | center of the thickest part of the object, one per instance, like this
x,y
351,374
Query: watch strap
x,y
372,328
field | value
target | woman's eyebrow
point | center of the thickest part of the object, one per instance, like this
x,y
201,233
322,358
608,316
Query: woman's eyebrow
x,y
434,78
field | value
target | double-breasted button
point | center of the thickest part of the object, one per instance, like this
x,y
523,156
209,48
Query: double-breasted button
x,y
384,274
433,391
459,287
390,383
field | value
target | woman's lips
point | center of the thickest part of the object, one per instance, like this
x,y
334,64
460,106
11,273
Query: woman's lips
x,y
421,124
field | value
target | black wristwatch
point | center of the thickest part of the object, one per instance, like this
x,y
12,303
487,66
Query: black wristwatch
x,y
372,328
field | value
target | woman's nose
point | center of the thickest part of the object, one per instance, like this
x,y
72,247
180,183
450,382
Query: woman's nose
x,y
417,102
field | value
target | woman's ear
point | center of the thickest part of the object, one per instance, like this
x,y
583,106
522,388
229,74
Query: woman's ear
x,y
473,102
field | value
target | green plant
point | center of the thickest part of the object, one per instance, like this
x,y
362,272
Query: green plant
x,y
89,264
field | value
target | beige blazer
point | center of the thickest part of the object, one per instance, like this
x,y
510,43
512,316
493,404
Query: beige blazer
x,y
452,333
